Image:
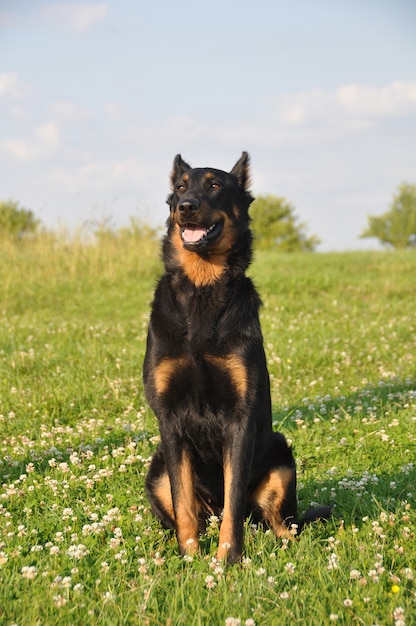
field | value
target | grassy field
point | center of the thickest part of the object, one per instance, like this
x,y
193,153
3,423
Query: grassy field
x,y
77,542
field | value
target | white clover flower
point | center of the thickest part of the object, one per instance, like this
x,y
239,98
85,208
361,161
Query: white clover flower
x,y
210,582
77,551
29,572
59,601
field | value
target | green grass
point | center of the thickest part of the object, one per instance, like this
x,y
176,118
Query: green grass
x,y
77,542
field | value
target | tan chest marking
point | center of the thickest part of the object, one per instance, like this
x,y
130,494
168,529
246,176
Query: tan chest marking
x,y
234,366
167,368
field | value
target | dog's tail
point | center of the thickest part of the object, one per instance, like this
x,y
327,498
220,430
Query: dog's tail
x,y
322,514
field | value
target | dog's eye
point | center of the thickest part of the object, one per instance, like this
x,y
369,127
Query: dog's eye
x,y
215,185
180,187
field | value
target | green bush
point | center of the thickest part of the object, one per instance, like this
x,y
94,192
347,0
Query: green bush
x,y
397,227
276,226
15,221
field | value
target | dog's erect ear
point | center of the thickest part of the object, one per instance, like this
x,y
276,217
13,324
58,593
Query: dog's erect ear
x,y
242,171
179,167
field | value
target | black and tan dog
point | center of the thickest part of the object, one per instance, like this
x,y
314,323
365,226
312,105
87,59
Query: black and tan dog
x,y
205,372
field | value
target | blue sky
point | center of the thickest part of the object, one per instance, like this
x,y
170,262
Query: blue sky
x,y
96,98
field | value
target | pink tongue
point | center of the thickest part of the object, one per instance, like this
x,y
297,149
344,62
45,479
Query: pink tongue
x,y
192,234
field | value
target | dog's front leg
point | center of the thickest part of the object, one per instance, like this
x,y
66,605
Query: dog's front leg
x,y
238,452
181,477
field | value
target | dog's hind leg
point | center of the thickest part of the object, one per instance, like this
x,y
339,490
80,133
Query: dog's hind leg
x,y
159,491
274,500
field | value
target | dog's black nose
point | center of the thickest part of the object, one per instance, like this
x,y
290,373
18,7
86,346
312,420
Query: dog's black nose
x,y
187,208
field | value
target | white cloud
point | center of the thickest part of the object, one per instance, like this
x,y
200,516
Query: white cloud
x,y
65,111
11,87
398,98
102,174
116,112
43,143
348,105
76,18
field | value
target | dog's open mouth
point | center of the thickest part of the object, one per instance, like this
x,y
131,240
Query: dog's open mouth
x,y
194,235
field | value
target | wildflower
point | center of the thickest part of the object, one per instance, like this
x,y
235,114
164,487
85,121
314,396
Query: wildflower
x,y
214,521
250,622
290,568
232,621
120,556
398,615
29,572
210,582
21,530
158,560
284,595
332,561
347,602
395,588
108,596
59,601
354,574
406,533
36,548
285,543
373,575
77,551
333,617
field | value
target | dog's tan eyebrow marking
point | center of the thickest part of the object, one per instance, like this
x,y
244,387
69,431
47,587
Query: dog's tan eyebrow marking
x,y
185,177
166,369
236,369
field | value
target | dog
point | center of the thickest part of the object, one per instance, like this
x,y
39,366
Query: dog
x,y
205,373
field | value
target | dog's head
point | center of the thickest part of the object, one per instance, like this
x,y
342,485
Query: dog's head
x,y
209,207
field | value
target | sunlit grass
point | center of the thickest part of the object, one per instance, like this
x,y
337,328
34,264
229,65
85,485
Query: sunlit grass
x,y
77,542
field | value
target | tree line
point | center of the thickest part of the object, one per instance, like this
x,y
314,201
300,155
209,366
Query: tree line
x,y
274,222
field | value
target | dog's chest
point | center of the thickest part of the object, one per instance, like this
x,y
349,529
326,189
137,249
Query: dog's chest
x,y
204,320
